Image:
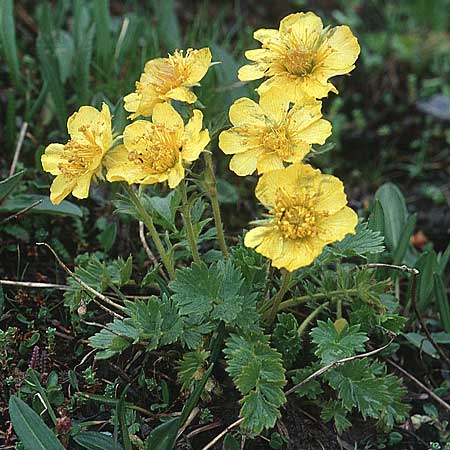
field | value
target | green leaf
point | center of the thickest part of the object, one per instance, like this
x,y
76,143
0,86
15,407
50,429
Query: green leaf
x,y
334,410
49,67
91,440
359,384
22,201
10,183
168,26
163,436
395,213
230,443
440,293
30,428
108,236
8,39
376,219
214,290
258,373
310,390
114,338
120,410
103,43
426,264
404,241
364,242
227,193
285,337
333,345
192,367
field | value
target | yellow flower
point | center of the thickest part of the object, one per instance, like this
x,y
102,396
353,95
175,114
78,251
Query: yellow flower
x,y
266,134
155,151
76,162
166,79
301,56
307,211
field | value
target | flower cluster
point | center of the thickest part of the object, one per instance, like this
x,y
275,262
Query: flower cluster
x,y
306,209
153,150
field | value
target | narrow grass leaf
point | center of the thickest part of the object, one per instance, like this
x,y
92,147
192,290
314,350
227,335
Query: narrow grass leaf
x,y
8,39
440,293
168,26
103,42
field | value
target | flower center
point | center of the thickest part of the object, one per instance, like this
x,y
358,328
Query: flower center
x,y
161,150
276,138
296,216
79,153
299,61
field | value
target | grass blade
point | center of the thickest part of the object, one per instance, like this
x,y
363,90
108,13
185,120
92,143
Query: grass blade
x,y
8,40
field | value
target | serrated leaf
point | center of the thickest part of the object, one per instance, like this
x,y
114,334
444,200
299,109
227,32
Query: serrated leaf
x,y
214,290
335,411
332,345
285,337
364,242
310,390
258,373
359,384
192,367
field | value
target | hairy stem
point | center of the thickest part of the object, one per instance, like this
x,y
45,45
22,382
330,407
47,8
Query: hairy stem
x,y
211,187
310,318
285,280
186,213
306,298
148,221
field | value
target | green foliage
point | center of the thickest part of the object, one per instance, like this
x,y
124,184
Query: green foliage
x,y
359,383
192,367
215,292
30,428
364,242
332,345
336,412
258,373
91,440
286,339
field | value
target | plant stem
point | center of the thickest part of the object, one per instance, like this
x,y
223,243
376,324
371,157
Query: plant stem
x,y
148,221
319,295
211,187
186,213
310,317
285,280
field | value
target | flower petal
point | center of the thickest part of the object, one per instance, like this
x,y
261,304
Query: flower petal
x,y
246,112
244,163
192,148
182,94
176,174
345,50
238,140
134,133
120,168
86,115
335,227
165,114
52,157
302,25
81,189
298,253
61,187
266,240
275,106
200,61
268,162
252,72
331,196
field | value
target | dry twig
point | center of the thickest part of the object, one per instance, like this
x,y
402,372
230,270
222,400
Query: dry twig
x,y
335,364
222,434
88,288
23,130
